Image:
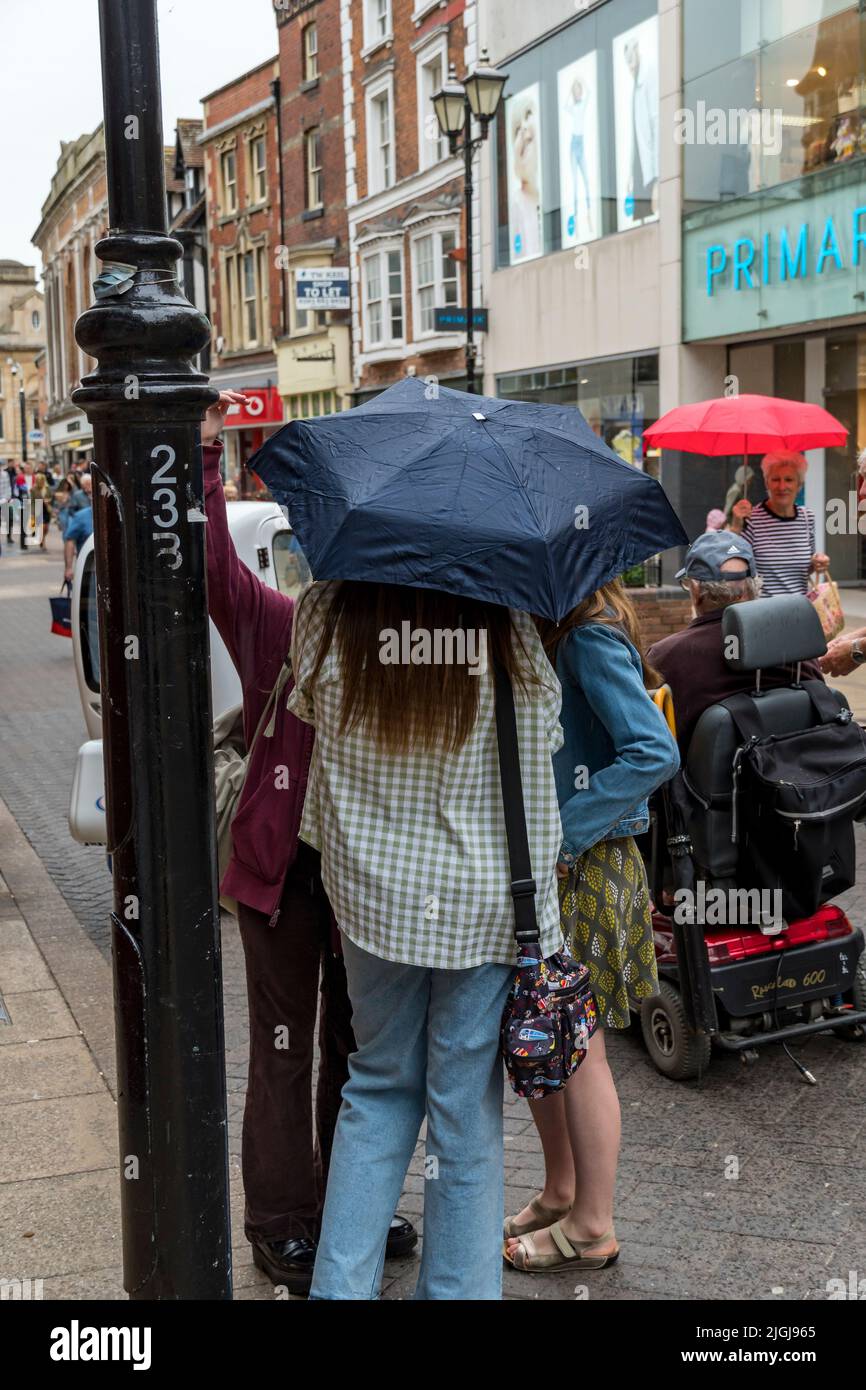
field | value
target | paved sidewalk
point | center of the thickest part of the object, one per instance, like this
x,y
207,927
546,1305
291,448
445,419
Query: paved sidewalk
x,y
793,1217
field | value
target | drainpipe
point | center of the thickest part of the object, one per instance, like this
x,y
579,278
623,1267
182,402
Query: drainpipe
x,y
276,90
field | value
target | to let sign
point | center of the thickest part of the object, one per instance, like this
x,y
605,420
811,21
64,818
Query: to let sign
x,y
322,287
446,320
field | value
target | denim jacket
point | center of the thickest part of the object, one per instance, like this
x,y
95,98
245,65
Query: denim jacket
x,y
617,747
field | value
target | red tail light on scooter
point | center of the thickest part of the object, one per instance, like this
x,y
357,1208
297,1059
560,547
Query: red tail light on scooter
x,y
726,946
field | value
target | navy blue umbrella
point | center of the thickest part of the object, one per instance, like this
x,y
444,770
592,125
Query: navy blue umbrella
x,y
503,501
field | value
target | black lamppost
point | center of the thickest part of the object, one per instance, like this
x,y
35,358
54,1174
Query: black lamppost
x,y
478,95
145,401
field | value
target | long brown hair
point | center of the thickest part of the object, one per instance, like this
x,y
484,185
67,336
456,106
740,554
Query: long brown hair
x,y
430,705
610,604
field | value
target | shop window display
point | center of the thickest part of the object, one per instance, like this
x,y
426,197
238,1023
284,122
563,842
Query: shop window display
x,y
775,95
576,140
618,398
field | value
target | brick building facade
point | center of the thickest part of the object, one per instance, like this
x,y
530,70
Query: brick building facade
x,y
242,190
404,190
314,349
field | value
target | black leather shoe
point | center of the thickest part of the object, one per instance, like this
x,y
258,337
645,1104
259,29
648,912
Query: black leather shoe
x,y
288,1262
402,1238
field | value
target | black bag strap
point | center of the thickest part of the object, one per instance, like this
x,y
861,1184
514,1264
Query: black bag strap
x,y
744,712
824,702
522,883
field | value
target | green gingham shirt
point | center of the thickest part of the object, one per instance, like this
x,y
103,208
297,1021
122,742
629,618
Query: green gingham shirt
x,y
414,852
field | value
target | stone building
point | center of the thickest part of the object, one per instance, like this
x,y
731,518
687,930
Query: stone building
x,y
74,217
22,338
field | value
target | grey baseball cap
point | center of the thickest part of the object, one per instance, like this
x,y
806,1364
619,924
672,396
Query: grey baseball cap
x,y
706,555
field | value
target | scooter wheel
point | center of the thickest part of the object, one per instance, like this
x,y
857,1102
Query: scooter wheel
x,y
675,1050
857,1032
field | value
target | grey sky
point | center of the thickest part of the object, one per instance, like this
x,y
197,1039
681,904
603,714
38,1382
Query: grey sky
x,y
51,90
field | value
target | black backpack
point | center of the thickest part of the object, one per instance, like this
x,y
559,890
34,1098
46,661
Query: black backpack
x,y
795,798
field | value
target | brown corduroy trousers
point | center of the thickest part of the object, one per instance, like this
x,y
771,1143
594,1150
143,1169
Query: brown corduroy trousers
x,y
285,1161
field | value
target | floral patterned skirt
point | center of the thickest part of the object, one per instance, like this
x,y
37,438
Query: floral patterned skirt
x,y
605,911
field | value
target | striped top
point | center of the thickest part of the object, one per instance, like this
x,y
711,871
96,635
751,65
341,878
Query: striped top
x,y
414,851
783,546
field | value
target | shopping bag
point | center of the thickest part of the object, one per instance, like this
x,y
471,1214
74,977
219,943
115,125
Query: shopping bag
x,y
825,599
61,611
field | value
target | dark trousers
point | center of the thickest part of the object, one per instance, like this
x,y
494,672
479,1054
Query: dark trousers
x,y
285,1164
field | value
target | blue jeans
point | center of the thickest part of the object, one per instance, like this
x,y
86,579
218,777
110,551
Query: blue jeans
x,y
427,1043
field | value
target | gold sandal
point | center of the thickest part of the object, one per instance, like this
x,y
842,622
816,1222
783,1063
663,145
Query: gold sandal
x,y
544,1216
570,1255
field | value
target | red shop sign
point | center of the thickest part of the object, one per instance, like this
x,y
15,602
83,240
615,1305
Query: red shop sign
x,y
263,406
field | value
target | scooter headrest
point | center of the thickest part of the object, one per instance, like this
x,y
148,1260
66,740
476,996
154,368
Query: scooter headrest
x,y
771,632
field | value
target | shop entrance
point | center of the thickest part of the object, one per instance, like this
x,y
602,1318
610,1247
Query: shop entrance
x,y
845,397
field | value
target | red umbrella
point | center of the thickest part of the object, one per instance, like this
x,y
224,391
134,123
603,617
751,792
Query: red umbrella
x,y
746,425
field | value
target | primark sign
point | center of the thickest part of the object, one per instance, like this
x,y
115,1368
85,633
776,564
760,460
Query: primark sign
x,y
789,254
772,261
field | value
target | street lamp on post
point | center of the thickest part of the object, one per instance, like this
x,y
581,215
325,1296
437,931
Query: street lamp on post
x,y
478,95
145,401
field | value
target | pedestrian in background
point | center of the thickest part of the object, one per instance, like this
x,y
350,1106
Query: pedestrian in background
x,y
5,500
11,474
737,491
41,493
79,528
61,500
781,533
617,751
78,497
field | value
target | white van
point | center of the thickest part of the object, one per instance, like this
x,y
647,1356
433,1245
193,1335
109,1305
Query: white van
x,y
265,543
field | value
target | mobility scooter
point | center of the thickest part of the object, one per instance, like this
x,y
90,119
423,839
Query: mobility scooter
x,y
780,974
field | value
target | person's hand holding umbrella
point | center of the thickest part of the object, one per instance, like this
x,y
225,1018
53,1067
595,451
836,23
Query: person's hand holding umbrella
x,y
739,513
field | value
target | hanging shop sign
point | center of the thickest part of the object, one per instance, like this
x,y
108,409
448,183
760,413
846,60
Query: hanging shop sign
x,y
263,406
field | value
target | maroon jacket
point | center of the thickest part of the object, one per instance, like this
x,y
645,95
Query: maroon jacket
x,y
255,622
